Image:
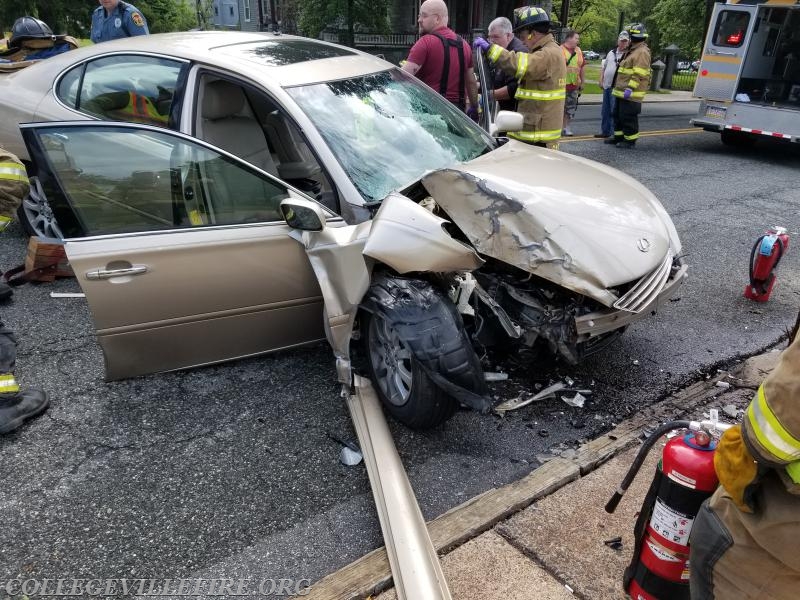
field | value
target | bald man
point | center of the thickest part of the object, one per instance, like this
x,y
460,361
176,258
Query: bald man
x,y
442,59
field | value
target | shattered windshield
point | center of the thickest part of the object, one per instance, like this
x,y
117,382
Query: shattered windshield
x,y
387,129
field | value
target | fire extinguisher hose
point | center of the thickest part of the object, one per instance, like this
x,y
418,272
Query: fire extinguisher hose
x,y
611,505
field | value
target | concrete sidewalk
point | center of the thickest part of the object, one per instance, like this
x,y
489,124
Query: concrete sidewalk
x,y
548,540
665,96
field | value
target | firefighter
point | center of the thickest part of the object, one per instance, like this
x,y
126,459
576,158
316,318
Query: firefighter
x,y
16,406
541,73
745,542
131,107
630,85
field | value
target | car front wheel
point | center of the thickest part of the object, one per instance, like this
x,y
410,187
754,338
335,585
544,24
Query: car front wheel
x,y
407,393
412,332
35,215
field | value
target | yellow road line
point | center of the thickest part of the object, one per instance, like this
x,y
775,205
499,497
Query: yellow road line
x,y
586,138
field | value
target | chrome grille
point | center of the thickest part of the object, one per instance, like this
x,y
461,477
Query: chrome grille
x,y
646,289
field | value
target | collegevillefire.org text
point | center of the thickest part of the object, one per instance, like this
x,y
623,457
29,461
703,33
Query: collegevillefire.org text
x,y
17,588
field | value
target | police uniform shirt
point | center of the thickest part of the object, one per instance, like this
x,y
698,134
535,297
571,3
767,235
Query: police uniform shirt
x,y
124,21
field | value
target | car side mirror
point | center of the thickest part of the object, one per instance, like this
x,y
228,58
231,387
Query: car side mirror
x,y
507,120
304,215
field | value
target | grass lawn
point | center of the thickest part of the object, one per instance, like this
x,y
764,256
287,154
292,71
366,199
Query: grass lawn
x,y
592,74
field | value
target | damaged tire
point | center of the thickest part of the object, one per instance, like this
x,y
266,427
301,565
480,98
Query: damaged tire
x,y
411,330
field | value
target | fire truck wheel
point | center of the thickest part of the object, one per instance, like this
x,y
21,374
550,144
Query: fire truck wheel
x,y
737,139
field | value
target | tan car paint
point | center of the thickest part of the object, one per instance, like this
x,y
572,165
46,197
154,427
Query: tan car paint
x,y
206,295
409,238
569,223
336,255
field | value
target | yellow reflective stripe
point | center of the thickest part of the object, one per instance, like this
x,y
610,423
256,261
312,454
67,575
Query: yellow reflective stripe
x,y
618,133
536,136
494,52
620,94
769,432
528,94
13,171
4,222
641,71
195,218
793,471
633,84
8,384
522,65
626,71
632,138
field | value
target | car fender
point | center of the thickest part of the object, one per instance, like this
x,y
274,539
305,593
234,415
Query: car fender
x,y
408,238
403,235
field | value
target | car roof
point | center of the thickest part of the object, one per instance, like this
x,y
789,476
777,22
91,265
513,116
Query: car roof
x,y
274,59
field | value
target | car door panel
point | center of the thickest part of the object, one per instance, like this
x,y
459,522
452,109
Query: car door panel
x,y
168,289
206,296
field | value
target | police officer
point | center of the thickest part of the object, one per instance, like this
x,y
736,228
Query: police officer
x,y
16,406
117,19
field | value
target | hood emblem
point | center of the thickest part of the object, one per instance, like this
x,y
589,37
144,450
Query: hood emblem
x,y
643,244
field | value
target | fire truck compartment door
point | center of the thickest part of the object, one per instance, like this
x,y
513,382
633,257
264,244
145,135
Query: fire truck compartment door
x,y
729,35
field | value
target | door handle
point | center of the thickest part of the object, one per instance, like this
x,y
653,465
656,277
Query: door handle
x,y
109,273
721,53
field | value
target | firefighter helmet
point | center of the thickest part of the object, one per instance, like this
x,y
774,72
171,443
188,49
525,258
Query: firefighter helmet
x,y
637,32
528,16
28,28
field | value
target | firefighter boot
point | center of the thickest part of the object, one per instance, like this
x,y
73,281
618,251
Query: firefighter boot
x,y
612,140
18,407
626,144
5,291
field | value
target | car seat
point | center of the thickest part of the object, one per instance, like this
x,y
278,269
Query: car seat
x,y
295,159
228,124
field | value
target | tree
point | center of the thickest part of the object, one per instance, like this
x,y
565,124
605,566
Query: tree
x,y
168,15
344,15
67,16
681,22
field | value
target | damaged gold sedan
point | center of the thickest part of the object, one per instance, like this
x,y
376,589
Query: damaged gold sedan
x,y
422,237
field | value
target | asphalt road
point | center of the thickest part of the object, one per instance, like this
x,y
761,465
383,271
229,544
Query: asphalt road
x,y
228,471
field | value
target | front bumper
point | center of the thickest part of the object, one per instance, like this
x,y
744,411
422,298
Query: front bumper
x,y
605,321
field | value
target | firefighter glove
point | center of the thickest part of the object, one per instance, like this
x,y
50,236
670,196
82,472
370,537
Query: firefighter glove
x,y
736,469
627,93
481,43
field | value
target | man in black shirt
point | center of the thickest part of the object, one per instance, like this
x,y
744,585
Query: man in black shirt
x,y
504,85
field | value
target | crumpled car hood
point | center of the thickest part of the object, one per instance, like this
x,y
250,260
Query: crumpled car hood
x,y
572,221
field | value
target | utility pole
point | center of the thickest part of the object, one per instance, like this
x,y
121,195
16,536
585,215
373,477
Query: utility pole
x,y
564,13
621,24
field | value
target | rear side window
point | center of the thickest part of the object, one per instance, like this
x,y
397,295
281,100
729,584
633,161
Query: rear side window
x,y
139,89
731,28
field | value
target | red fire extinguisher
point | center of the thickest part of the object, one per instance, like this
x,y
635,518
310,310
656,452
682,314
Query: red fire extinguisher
x,y
684,478
764,257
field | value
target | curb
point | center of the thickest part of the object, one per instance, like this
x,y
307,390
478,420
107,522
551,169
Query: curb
x,y
371,574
